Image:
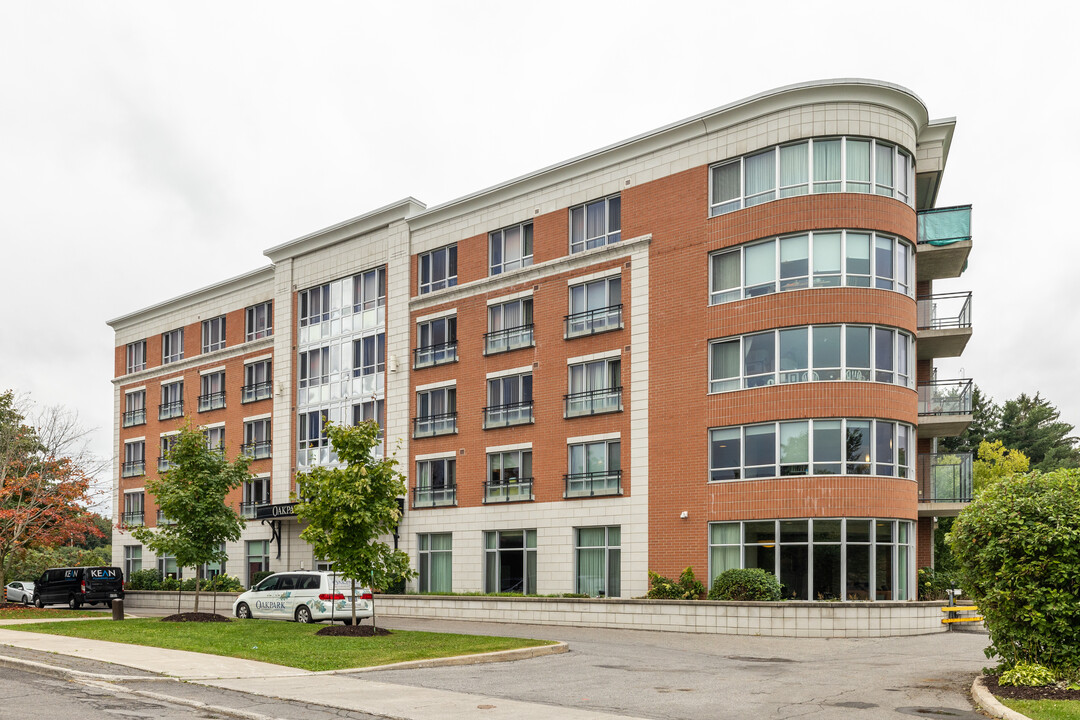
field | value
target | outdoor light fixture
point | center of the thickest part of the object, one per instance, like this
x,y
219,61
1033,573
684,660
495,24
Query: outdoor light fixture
x,y
684,515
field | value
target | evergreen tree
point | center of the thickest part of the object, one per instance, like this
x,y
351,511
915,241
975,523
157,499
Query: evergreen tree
x,y
1033,426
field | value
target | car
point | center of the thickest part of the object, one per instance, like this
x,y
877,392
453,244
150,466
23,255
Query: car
x,y
19,592
304,596
75,586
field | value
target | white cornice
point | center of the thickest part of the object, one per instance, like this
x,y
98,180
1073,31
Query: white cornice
x,y
168,371
939,132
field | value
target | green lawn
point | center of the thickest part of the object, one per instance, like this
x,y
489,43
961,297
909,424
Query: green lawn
x,y
1045,709
284,643
32,613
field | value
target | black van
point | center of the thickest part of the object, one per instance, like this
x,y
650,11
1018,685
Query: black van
x,y
75,586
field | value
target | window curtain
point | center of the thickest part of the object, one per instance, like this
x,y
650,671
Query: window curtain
x,y
441,563
760,177
591,561
794,169
884,169
726,186
760,263
725,360
827,166
858,165
726,275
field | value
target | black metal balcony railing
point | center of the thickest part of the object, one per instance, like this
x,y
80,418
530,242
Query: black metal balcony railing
x,y
592,322
132,468
135,417
945,311
163,463
211,401
171,410
431,355
594,402
498,341
945,397
514,490
258,391
256,450
593,484
430,425
441,496
162,520
133,518
247,509
945,477
518,413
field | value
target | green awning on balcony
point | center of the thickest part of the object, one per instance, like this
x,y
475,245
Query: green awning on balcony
x,y
944,226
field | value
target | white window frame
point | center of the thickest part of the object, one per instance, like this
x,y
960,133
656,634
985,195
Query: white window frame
x,y
136,356
610,233
430,353
497,239
425,554
255,389
214,398
213,334
610,551
362,282
371,361
172,346
447,256
258,438
259,321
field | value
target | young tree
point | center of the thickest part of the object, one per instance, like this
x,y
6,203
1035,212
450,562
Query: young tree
x,y
191,493
43,491
995,461
349,508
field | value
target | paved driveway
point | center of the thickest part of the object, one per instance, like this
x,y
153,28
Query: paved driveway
x,y
675,676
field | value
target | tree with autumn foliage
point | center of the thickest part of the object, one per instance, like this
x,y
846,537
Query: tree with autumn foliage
x,y
45,480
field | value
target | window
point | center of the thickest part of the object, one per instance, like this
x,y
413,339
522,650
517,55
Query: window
x,y
167,443
313,444
510,401
510,326
511,248
134,408
818,259
256,439
435,483
595,307
215,438
258,557
315,305
810,354
315,366
811,447
820,558
595,224
210,570
510,476
438,269
258,383
133,509
172,400
820,166
594,469
597,558
172,346
213,334
369,355
369,290
212,396
435,562
595,387
436,342
132,560
510,561
136,356
259,321
436,412
256,494
134,459
166,565
372,410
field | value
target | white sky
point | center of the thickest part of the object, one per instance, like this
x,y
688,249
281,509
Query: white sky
x,y
149,149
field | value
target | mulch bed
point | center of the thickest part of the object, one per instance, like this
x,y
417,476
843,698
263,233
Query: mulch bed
x,y
196,617
353,631
1050,692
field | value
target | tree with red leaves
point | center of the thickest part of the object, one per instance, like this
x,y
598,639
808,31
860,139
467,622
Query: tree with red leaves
x,y
45,480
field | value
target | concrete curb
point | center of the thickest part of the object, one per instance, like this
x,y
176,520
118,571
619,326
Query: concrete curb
x,y
986,701
491,657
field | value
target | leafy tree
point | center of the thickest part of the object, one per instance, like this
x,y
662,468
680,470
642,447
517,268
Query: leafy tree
x,y
29,565
985,421
191,493
45,479
1033,426
1017,548
995,461
348,509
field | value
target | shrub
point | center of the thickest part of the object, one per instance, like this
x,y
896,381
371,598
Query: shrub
x,y
258,577
219,583
745,584
149,579
691,586
1027,675
170,584
1017,549
686,587
934,583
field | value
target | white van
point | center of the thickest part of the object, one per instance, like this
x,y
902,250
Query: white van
x,y
304,596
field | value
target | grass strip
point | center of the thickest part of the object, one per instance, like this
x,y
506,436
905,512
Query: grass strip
x,y
1045,709
32,613
284,643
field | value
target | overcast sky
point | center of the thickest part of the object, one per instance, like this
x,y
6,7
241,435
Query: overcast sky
x,y
149,149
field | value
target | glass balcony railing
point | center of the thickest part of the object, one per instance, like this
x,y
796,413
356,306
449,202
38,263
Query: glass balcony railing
x,y
256,450
431,425
133,468
211,401
163,463
162,520
248,509
171,410
944,312
592,322
258,391
518,413
135,417
441,496
431,355
514,490
945,397
513,338
592,484
944,226
945,478
132,518
594,402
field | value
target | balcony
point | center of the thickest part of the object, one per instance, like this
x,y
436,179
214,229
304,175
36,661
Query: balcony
x,y
432,425
248,509
170,410
496,416
593,402
256,450
513,338
162,520
514,490
132,518
944,324
592,322
258,391
432,355
593,484
944,407
944,242
211,401
163,463
135,417
133,468
945,483
427,497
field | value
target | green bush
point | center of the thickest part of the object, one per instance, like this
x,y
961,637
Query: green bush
x,y
1028,675
149,579
169,584
219,583
745,584
1017,549
258,577
686,587
935,583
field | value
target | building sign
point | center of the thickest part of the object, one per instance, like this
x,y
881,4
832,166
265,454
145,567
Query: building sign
x,y
271,512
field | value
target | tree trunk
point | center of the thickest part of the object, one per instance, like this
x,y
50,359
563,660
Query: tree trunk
x,y
197,580
353,602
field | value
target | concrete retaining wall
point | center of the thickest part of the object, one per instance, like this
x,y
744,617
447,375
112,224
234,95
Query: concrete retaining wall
x,y
782,619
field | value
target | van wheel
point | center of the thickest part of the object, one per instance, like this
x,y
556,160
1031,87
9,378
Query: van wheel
x,y
243,611
303,614
347,621
73,603
37,602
